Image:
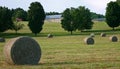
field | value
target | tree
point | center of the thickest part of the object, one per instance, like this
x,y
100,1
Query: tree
x,y
36,17
67,22
19,13
5,19
83,18
118,1
113,14
76,18
17,26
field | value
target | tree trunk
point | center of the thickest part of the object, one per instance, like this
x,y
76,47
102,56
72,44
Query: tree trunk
x,y
35,34
71,32
113,28
16,32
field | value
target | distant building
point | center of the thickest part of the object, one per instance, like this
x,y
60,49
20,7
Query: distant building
x,y
53,18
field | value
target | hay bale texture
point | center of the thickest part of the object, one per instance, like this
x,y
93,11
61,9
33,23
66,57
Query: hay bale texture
x,y
22,50
89,41
103,35
50,36
113,38
2,39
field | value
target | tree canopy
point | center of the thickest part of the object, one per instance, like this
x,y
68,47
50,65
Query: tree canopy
x,y
36,17
53,13
67,22
84,18
19,13
76,19
5,19
113,14
118,1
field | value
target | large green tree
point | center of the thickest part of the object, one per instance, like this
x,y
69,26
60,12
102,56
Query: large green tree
x,y
76,18
113,14
36,17
5,19
83,18
67,21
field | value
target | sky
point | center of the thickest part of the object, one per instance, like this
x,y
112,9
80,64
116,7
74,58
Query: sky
x,y
97,6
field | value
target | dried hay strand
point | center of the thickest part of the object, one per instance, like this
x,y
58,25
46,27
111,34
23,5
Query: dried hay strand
x,y
22,50
2,39
103,35
50,36
113,38
89,41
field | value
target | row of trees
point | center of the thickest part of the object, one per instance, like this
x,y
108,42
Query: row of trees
x,y
72,18
76,19
19,13
5,19
9,19
113,14
53,13
95,15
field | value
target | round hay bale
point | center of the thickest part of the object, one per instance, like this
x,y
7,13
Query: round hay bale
x,y
89,41
2,39
103,35
22,50
50,36
92,35
113,38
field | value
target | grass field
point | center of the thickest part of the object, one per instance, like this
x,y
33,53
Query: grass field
x,y
65,51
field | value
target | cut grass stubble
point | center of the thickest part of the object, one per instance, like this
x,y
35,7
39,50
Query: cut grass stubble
x,y
66,51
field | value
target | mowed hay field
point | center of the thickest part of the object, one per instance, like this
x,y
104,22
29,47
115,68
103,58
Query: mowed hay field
x,y
65,51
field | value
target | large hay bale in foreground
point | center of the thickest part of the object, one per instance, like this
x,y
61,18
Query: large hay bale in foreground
x,y
113,39
2,39
50,36
103,35
89,41
22,50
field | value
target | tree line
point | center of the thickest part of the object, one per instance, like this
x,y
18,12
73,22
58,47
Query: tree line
x,y
11,18
81,18
72,18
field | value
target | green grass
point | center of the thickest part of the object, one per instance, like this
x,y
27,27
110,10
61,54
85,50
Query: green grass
x,y
65,51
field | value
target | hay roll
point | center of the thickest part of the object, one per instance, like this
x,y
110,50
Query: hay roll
x,y
22,50
113,39
50,36
92,35
2,39
103,35
89,41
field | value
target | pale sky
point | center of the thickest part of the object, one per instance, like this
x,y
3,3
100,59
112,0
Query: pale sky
x,y
97,6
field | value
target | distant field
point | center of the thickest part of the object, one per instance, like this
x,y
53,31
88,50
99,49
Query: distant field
x,y
65,51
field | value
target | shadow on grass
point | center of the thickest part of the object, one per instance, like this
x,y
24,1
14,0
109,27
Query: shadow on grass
x,y
87,32
109,31
61,63
12,35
